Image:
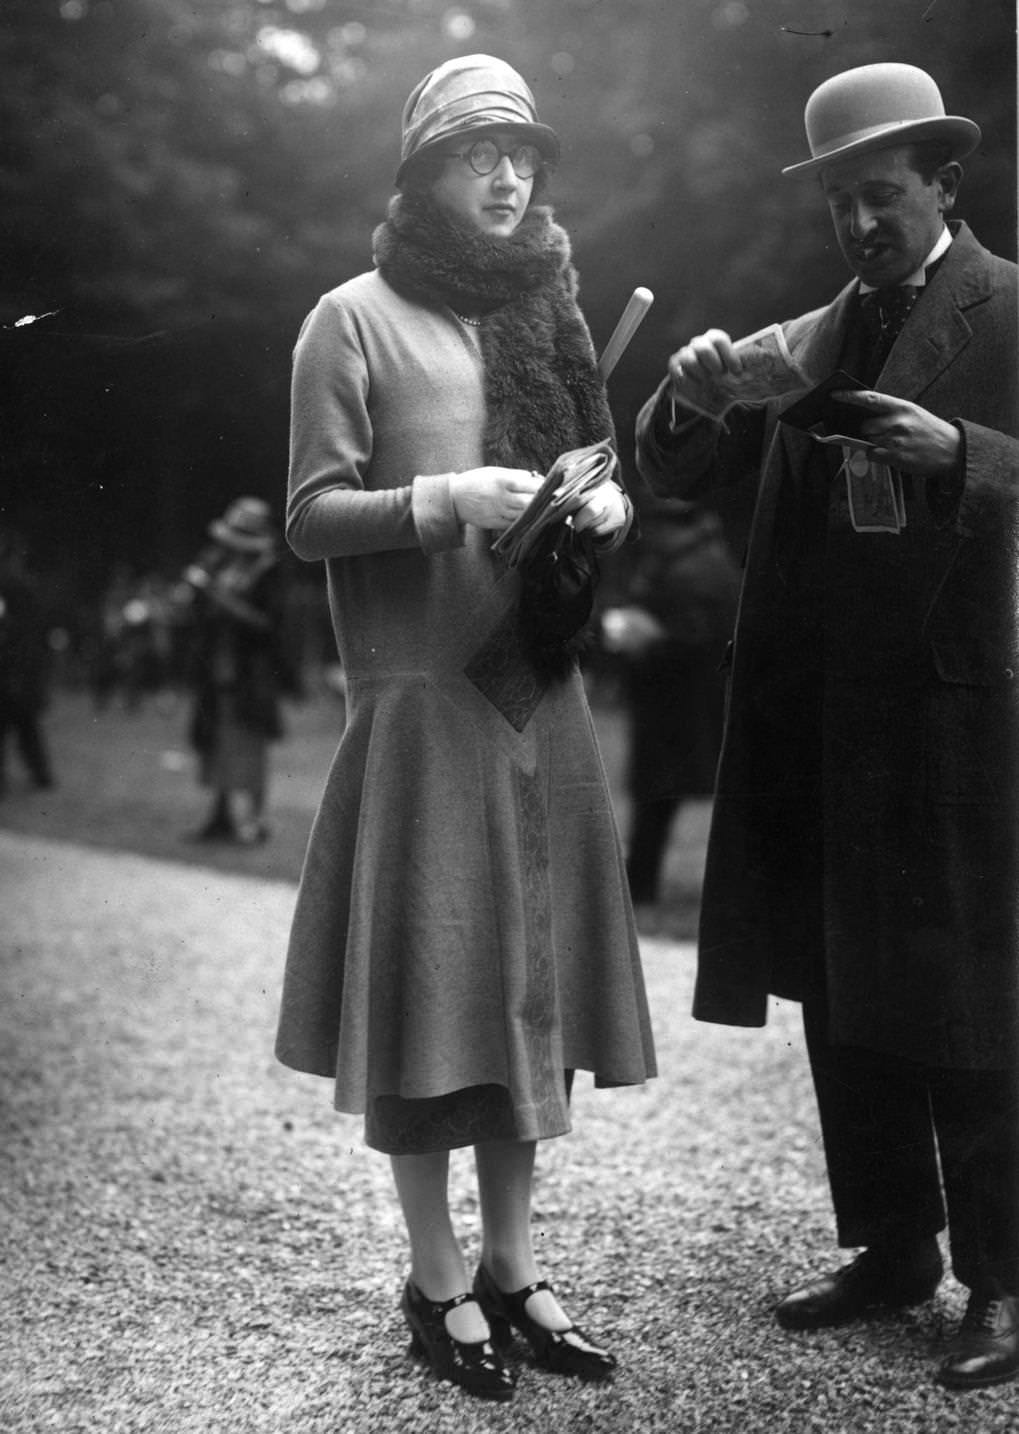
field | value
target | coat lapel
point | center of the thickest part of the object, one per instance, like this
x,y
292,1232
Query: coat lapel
x,y
816,340
926,348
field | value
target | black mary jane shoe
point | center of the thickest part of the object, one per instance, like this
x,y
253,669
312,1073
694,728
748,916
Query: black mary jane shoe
x,y
561,1351
476,1367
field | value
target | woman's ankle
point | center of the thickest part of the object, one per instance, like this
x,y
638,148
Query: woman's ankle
x,y
510,1268
465,1322
438,1279
513,1273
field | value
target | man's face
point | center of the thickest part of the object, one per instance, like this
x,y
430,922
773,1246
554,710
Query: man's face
x,y
887,217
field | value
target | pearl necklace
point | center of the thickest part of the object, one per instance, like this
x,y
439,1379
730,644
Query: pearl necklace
x,y
471,323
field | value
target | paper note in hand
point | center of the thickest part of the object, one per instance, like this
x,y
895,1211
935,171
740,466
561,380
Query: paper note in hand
x,y
768,370
572,476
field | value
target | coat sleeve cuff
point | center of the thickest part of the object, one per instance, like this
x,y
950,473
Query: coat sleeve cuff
x,y
434,514
944,495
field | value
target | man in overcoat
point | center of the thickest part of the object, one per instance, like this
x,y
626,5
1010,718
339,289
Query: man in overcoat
x,y
863,854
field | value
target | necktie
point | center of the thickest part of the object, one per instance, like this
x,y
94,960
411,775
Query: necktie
x,y
884,313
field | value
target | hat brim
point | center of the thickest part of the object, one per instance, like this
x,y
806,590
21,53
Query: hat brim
x,y
962,135
541,136
230,538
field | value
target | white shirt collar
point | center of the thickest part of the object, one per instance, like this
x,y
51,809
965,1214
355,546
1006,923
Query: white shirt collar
x,y
919,277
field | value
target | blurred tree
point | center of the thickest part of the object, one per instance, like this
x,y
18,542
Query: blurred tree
x,y
180,179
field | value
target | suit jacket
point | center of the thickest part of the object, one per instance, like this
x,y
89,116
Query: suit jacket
x,y
864,832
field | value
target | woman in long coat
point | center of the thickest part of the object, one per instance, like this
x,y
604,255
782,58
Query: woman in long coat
x,y
463,939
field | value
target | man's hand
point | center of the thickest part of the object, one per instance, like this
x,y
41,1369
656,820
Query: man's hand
x,y
493,498
699,362
602,512
907,436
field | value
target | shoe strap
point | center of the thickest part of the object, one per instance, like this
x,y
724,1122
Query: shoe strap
x,y
511,1299
440,1308
528,1290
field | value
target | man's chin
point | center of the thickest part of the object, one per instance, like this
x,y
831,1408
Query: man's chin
x,y
881,270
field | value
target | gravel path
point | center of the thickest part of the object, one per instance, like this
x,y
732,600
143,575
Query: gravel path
x,y
194,1241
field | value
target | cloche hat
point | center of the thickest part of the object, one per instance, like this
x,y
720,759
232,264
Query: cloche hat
x,y
471,92
246,526
875,107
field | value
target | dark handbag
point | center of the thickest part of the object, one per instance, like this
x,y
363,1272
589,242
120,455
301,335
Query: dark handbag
x,y
558,566
559,578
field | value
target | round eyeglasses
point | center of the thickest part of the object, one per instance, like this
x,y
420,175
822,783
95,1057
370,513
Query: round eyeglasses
x,y
485,156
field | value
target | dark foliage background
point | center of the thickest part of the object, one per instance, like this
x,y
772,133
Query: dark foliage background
x,y
181,179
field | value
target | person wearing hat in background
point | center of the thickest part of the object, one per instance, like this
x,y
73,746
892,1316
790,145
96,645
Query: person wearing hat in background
x,y
238,667
863,852
463,939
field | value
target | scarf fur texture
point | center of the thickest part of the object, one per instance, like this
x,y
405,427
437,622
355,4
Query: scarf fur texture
x,y
543,392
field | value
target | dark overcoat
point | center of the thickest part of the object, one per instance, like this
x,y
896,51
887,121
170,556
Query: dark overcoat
x,y
864,830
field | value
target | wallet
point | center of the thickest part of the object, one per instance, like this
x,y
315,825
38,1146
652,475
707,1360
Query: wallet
x,y
572,476
819,413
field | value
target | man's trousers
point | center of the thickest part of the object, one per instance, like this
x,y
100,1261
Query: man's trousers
x,y
888,1123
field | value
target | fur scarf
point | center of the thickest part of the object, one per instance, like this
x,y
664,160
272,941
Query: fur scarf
x,y
543,392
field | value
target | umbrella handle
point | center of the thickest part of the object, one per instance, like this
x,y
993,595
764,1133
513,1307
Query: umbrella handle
x,y
629,321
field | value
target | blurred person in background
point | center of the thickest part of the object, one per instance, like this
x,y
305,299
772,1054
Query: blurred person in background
x,y
463,938
863,855
24,663
106,646
239,669
148,620
128,647
670,638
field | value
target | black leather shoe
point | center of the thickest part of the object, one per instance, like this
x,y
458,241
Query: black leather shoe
x,y
986,1348
875,1280
476,1367
566,1351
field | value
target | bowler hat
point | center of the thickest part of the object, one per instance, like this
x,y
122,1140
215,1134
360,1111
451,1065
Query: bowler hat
x,y
875,107
245,526
471,92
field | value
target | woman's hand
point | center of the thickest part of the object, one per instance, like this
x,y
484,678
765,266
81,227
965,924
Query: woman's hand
x,y
493,497
602,512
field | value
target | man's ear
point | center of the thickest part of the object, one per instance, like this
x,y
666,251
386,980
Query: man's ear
x,y
947,180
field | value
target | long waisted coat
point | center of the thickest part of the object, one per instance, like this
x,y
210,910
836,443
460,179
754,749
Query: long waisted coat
x,y
864,837
462,918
